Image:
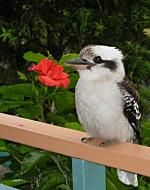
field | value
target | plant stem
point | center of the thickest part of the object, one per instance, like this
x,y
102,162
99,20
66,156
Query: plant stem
x,y
42,111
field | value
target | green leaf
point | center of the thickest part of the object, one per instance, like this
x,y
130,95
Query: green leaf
x,y
3,147
5,105
64,102
52,179
32,159
73,78
16,91
33,57
62,187
14,96
56,119
13,150
15,182
50,57
145,126
113,182
144,183
65,58
111,185
146,141
29,111
21,76
74,125
25,149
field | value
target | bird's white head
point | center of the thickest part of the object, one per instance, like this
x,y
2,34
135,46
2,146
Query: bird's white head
x,y
98,62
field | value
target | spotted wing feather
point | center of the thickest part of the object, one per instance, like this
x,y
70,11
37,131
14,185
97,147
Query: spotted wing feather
x,y
131,108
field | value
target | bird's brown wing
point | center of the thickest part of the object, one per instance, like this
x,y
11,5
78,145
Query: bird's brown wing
x,y
131,107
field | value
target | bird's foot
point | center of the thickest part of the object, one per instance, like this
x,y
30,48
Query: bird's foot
x,y
107,143
91,140
103,144
87,139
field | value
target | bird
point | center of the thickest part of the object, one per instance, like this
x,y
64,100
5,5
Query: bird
x,y
106,103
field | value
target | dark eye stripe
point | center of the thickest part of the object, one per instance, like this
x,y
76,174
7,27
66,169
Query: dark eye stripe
x,y
112,65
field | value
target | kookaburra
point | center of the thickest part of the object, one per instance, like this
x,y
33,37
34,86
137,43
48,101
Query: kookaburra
x,y
107,104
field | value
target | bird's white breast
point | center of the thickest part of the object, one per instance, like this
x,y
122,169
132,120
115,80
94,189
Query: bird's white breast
x,y
99,109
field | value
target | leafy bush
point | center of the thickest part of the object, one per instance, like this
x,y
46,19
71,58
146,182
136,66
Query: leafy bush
x,y
41,170
32,100
60,27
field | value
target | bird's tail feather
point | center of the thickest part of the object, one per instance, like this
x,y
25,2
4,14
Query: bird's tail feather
x,y
127,177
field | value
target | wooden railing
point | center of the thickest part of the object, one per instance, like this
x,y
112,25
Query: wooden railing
x,y
85,157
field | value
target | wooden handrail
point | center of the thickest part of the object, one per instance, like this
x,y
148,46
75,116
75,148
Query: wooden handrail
x,y
129,157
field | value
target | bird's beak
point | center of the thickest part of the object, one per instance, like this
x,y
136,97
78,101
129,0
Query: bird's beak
x,y
78,63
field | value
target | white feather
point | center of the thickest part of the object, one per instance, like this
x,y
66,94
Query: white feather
x,y
99,108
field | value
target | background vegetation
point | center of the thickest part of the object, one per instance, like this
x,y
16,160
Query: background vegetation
x,y
62,27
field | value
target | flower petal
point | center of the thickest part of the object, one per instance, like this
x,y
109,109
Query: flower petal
x,y
46,65
47,81
50,73
56,69
64,83
58,83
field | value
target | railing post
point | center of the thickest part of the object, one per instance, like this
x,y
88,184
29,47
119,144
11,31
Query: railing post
x,y
88,175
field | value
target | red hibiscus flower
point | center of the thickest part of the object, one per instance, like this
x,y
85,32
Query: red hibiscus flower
x,y
50,73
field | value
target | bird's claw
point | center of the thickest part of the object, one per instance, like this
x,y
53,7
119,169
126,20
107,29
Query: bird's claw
x,y
102,144
86,139
92,140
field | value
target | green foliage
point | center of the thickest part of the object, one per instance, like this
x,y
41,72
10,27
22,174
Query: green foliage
x,y
61,27
73,75
73,125
32,168
64,101
52,180
114,184
73,24
41,170
145,124
19,98
31,160
30,100
66,57
33,57
15,182
35,169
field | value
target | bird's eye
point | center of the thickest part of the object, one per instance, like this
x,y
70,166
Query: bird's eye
x,y
97,59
